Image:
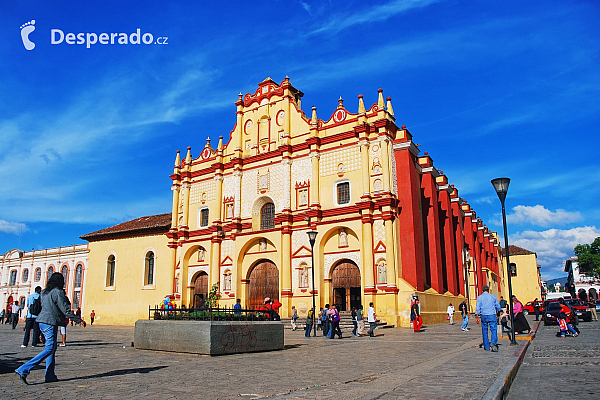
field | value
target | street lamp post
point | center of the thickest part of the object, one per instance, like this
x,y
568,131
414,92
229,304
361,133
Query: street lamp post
x,y
501,186
312,236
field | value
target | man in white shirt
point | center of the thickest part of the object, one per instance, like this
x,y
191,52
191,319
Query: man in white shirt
x,y
371,319
16,309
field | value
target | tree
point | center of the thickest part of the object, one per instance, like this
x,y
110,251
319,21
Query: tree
x,y
588,256
213,296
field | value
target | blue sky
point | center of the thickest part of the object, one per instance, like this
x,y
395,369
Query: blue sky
x,y
88,136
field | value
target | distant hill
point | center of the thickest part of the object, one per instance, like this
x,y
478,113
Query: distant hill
x,y
563,281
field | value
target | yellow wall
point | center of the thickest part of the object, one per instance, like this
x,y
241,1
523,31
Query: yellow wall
x,y
129,299
526,284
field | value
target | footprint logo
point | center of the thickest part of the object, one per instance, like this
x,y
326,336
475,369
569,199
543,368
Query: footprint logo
x,y
26,29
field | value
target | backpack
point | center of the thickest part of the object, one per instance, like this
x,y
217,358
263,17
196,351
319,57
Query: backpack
x,y
335,317
36,307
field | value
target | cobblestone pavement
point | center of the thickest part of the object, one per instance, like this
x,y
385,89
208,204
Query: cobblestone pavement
x,y
555,368
442,362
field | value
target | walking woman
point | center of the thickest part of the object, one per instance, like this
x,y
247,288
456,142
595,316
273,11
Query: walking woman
x,y
521,324
354,321
55,309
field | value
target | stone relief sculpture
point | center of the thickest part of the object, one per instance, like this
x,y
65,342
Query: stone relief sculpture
x,y
227,281
382,272
304,277
343,238
263,244
201,254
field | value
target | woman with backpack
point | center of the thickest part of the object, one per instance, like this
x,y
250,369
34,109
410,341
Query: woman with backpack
x,y
334,318
55,308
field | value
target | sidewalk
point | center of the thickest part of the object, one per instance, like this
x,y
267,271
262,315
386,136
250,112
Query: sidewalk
x,y
442,362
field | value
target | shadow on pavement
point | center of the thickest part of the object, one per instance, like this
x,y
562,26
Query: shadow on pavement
x,y
116,372
89,343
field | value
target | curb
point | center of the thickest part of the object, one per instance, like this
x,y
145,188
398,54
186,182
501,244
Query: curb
x,y
501,385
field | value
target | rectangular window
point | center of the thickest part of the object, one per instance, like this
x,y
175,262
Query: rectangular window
x,y
13,278
204,217
343,193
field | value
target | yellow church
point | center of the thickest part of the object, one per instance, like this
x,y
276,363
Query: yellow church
x,y
389,225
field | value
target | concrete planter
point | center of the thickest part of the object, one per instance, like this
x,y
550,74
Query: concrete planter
x,y
209,337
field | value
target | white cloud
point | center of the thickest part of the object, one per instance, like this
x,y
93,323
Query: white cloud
x,y
12,227
541,216
375,13
554,246
306,6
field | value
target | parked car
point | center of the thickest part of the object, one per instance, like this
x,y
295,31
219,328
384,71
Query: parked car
x,y
581,309
552,311
528,308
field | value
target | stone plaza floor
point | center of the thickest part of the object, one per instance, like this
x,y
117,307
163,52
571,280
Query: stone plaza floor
x,y
555,368
442,362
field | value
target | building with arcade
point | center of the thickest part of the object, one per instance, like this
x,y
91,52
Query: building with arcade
x,y
21,271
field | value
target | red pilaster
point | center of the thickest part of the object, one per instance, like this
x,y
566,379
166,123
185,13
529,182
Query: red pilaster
x,y
458,241
411,234
449,244
429,207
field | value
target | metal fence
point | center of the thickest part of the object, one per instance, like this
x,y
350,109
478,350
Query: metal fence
x,y
207,314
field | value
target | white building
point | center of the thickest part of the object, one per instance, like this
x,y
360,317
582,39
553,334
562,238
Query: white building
x,y
582,283
21,272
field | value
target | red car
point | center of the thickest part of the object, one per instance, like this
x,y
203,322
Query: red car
x,y
528,308
581,309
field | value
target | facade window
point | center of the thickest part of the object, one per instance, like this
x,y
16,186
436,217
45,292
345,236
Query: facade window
x,y
25,275
13,278
38,274
22,302
149,269
78,272
65,273
110,271
76,299
50,272
343,193
267,216
77,291
203,217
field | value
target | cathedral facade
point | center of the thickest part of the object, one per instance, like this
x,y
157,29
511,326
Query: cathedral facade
x,y
389,224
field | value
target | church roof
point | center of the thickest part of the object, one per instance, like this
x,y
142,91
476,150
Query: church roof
x,y
518,251
151,224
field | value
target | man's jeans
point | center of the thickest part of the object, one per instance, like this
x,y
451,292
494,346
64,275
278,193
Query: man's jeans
x,y
307,329
50,332
570,328
372,326
489,322
465,322
31,323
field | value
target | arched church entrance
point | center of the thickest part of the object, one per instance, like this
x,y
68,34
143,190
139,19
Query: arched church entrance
x,y
263,282
345,281
200,289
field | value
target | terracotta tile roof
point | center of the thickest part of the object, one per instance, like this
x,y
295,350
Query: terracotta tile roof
x,y
151,224
517,251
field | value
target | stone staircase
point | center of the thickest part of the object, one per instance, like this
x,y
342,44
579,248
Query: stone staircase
x,y
345,323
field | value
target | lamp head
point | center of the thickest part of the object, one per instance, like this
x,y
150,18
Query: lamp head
x,y
312,236
501,186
